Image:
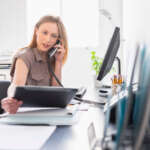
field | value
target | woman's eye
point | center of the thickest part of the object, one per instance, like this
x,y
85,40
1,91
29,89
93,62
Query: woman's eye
x,y
45,33
54,36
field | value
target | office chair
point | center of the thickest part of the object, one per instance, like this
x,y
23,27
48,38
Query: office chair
x,y
3,91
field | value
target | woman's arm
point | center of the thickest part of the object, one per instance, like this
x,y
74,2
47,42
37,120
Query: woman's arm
x,y
21,72
10,104
20,76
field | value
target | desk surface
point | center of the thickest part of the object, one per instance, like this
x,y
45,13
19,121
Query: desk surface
x,y
76,137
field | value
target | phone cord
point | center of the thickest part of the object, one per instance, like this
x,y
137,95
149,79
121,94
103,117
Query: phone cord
x,y
53,74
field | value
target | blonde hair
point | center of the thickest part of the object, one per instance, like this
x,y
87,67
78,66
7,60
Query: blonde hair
x,y
61,30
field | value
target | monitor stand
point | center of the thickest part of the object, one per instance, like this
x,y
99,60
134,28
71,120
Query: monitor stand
x,y
104,83
102,92
105,87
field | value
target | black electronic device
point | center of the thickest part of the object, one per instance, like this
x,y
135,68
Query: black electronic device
x,y
110,54
44,96
53,50
104,92
81,91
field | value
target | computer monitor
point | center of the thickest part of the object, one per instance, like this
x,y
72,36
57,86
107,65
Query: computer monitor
x,y
110,54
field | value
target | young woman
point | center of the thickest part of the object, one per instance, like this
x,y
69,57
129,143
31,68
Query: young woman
x,y
30,64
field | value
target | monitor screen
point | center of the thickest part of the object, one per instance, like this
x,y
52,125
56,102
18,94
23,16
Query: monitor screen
x,y
110,54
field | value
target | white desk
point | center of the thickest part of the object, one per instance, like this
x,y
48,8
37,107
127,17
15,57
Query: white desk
x,y
76,137
16,137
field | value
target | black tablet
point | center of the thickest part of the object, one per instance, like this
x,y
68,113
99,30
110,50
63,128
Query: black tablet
x,y
44,96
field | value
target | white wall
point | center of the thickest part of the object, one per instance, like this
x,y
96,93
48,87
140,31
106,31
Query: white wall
x,y
81,19
114,8
12,24
136,24
77,71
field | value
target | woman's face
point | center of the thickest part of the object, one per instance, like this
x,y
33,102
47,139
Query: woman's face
x,y
46,36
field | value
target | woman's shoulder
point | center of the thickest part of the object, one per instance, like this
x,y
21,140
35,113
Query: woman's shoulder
x,y
25,52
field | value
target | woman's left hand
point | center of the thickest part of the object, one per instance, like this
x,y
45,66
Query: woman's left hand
x,y
59,55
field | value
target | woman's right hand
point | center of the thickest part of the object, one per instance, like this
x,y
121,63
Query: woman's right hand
x,y
10,105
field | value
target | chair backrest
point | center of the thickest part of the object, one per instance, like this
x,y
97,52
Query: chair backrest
x,y
3,91
125,106
142,106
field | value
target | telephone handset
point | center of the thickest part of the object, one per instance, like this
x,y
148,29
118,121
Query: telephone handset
x,y
53,50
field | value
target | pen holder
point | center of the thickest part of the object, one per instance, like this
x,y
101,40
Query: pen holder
x,y
117,82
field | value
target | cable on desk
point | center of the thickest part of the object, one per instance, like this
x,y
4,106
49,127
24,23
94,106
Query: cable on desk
x,y
76,98
89,102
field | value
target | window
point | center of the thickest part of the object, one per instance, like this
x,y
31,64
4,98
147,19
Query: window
x,y
81,20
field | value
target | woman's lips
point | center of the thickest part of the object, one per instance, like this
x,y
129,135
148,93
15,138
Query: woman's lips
x,y
46,46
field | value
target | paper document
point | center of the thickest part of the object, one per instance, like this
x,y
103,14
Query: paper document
x,y
51,116
16,137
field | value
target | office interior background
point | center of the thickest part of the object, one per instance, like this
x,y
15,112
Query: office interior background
x,y
89,25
